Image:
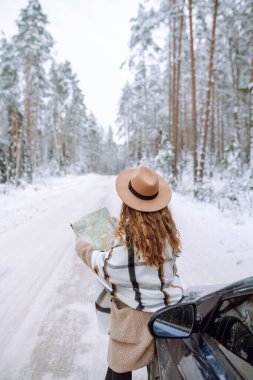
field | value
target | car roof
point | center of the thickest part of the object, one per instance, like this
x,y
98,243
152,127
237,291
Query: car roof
x,y
246,283
236,288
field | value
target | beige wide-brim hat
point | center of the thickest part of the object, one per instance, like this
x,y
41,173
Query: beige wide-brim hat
x,y
143,189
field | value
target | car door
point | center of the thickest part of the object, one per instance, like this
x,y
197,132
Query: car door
x,y
228,337
183,359
222,349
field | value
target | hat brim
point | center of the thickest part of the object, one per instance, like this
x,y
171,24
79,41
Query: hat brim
x,y
162,200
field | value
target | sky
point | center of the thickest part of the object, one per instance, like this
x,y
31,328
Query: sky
x,y
93,35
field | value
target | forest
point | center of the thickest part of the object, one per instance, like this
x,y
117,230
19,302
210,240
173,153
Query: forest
x,y
187,112
45,127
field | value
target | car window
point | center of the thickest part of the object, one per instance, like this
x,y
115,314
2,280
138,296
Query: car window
x,y
232,328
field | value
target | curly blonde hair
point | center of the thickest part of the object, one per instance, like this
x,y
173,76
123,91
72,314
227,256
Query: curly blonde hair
x,y
149,233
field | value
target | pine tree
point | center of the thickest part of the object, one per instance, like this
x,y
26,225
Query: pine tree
x,y
33,43
11,127
110,154
143,49
125,120
204,49
43,118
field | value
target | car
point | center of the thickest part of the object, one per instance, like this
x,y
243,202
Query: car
x,y
208,335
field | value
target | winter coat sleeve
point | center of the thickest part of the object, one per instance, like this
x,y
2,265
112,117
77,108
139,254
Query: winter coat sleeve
x,y
94,259
84,251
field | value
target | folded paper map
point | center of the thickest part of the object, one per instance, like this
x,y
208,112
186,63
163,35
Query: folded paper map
x,y
96,228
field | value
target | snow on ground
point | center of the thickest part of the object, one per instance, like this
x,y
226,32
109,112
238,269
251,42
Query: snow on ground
x,y
217,248
48,326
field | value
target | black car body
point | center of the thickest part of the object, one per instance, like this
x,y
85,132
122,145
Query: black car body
x,y
207,337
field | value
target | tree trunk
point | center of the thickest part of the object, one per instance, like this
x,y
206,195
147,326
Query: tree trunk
x,y
147,127
218,120
208,93
193,88
127,139
251,116
173,98
19,156
13,138
28,117
176,126
251,106
187,123
213,134
170,90
213,130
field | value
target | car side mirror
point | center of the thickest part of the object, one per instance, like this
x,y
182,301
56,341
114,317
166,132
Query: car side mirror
x,y
175,321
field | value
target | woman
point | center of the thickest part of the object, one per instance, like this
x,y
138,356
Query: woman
x,y
140,270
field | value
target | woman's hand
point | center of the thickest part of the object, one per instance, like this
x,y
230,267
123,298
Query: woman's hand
x,y
84,249
81,244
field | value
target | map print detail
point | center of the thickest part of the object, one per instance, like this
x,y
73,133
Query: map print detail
x,y
96,228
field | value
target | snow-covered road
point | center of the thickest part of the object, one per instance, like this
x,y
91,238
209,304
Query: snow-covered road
x,y
47,319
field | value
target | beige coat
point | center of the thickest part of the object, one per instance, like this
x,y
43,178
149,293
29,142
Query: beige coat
x,y
130,344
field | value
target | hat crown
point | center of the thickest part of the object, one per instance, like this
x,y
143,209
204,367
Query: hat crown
x,y
145,181
142,189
